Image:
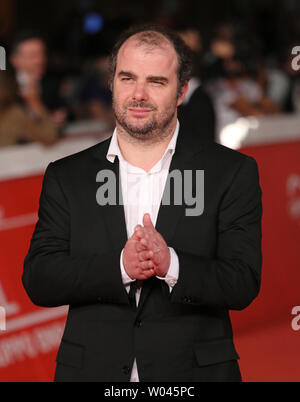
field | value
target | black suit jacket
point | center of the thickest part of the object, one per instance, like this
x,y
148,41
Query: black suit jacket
x,y
74,259
198,116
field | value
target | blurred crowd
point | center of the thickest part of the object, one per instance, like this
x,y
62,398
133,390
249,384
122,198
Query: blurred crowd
x,y
232,78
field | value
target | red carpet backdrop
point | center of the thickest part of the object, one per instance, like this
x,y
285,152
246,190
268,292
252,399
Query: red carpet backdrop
x,y
32,336
267,343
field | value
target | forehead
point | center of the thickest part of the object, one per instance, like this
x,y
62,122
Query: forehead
x,y
144,58
32,45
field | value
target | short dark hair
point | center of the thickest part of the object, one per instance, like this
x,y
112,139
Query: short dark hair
x,y
183,52
24,36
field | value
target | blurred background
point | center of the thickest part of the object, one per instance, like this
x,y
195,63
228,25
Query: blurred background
x,y
55,101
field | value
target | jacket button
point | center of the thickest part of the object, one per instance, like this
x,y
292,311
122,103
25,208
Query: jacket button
x,y
187,299
126,370
138,323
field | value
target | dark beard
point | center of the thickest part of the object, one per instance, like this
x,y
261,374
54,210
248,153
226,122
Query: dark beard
x,y
151,130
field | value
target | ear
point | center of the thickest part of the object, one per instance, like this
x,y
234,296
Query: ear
x,y
111,84
184,90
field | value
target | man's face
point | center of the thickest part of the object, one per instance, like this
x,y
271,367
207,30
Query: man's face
x,y
30,58
145,89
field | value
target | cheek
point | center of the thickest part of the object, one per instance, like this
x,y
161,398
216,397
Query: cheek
x,y
169,97
170,102
121,95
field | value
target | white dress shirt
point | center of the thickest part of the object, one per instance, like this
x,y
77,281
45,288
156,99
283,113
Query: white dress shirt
x,y
142,193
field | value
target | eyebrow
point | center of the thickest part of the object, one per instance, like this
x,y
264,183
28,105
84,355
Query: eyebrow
x,y
126,74
157,78
149,78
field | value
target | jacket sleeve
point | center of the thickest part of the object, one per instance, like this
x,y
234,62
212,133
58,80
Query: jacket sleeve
x,y
232,278
52,277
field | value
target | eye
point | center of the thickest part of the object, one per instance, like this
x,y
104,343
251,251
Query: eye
x,y
126,79
157,83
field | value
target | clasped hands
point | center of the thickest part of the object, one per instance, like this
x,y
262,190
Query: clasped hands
x,y
146,253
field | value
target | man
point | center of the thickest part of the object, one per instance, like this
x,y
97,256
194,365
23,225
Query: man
x,y
149,283
38,90
196,114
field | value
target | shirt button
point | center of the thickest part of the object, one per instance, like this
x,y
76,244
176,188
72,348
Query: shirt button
x,y
126,370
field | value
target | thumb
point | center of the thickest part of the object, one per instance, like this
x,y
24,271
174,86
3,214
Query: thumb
x,y
147,222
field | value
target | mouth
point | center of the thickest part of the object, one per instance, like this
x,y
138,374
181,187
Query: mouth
x,y
139,112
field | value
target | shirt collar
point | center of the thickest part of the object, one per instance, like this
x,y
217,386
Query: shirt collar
x,y
114,149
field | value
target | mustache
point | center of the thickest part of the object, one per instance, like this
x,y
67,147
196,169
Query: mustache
x,y
142,105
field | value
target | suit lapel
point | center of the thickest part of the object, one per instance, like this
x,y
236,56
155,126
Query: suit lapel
x,y
113,215
170,215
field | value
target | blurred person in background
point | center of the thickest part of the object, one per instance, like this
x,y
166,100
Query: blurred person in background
x,y
37,89
236,86
192,37
291,102
275,82
94,98
221,48
196,113
16,126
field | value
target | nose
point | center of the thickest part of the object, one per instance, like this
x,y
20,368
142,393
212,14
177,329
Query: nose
x,y
140,92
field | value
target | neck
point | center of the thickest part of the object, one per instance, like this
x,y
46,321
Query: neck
x,y
141,153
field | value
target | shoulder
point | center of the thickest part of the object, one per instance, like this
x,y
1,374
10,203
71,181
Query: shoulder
x,y
15,111
229,163
192,143
223,160
220,151
81,158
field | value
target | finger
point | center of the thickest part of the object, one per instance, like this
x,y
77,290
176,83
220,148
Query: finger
x,y
138,231
146,265
145,255
149,273
141,234
144,242
147,222
138,234
156,258
157,246
146,275
140,247
135,236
